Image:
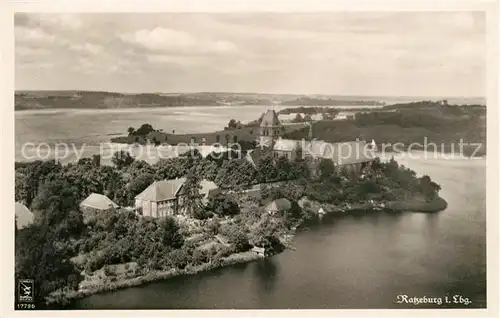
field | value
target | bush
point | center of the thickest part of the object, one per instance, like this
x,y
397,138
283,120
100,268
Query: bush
x,y
179,258
108,271
212,226
200,256
222,205
224,252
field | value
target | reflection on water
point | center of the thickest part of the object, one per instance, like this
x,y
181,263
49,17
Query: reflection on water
x,y
266,272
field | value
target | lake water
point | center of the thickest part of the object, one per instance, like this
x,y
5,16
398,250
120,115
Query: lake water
x,y
88,131
352,261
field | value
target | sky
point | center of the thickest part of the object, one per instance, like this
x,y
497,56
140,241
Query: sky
x,y
340,53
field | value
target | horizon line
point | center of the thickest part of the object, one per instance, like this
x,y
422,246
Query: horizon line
x,y
243,92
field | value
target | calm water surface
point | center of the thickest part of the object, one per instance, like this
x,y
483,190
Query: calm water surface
x,y
350,262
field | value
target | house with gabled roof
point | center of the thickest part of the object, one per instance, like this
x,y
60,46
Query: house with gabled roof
x,y
95,204
278,206
164,198
98,202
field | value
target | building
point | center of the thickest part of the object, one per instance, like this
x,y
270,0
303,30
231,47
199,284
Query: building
x,y
279,206
96,203
285,148
164,198
351,155
261,251
317,117
270,128
346,115
24,217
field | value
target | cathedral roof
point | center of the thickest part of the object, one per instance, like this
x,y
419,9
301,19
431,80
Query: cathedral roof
x,y
270,119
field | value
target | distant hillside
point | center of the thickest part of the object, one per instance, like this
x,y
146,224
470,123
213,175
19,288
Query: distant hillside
x,y
103,100
406,124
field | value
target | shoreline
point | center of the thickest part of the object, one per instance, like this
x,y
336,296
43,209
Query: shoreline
x,y
340,107
64,297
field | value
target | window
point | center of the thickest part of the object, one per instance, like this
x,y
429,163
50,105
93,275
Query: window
x,y
217,138
235,138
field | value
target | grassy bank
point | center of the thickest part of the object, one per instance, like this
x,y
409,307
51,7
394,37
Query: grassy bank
x,y
63,297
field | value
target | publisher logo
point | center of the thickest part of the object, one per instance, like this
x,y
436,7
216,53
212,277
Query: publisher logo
x,y
26,290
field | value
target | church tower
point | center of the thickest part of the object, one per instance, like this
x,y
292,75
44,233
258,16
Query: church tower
x,y
270,128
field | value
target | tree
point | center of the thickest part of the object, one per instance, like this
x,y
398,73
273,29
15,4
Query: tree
x,y
122,159
144,130
54,202
212,226
43,249
232,124
266,232
236,236
96,161
429,188
38,258
298,118
222,205
171,235
179,258
267,172
326,168
191,197
284,169
139,184
33,174
130,130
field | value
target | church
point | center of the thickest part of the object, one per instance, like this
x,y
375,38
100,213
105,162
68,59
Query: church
x,y
350,155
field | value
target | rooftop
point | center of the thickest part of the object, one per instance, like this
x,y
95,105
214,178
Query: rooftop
x,y
24,217
285,144
99,202
161,190
279,205
166,190
270,119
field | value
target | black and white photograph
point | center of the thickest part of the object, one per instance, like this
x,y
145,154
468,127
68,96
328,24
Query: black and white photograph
x,y
252,160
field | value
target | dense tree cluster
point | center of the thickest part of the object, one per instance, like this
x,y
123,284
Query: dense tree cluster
x,y
43,249
309,110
